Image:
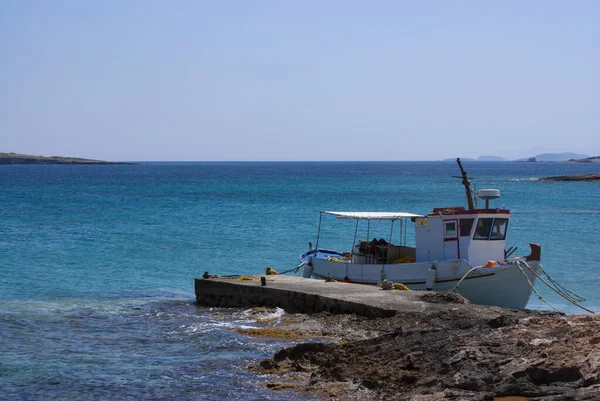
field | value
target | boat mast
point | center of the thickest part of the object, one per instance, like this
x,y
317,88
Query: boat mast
x,y
466,181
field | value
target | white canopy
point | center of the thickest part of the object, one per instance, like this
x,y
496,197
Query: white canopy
x,y
372,215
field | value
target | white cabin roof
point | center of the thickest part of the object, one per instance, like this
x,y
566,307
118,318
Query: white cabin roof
x,y
372,215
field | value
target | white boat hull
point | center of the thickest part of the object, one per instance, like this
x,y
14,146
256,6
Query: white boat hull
x,y
508,285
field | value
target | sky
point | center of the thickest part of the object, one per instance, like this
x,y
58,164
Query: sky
x,y
299,80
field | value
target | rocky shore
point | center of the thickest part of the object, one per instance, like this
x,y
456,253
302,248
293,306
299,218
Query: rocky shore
x,y
16,158
451,350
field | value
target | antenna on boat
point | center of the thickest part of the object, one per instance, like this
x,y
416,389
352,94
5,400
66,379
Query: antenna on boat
x,y
466,181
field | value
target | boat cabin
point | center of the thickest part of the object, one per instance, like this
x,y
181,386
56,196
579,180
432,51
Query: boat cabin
x,y
453,233
473,234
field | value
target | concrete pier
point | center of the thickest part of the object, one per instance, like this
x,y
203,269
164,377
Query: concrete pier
x,y
296,294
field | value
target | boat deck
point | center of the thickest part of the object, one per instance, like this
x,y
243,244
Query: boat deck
x,y
296,294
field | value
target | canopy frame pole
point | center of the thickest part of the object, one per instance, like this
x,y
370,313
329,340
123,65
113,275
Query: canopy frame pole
x,y
368,235
355,233
389,246
319,229
401,224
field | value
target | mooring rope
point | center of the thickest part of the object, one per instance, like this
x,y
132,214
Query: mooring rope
x,y
533,287
464,277
551,283
559,289
295,269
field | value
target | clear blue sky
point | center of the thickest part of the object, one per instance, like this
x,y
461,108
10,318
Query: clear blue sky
x,y
303,80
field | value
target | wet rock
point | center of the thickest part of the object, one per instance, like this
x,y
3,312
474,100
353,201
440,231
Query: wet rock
x,y
268,364
301,350
370,384
298,367
279,386
591,393
541,376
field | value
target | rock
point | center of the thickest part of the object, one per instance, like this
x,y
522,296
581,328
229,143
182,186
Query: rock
x,y
449,350
502,321
301,350
445,297
297,367
268,364
279,386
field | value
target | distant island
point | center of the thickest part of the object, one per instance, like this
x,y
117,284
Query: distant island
x,y
555,157
544,157
480,159
491,159
16,158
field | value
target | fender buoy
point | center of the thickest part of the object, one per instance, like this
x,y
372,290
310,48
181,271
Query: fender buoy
x,y
430,278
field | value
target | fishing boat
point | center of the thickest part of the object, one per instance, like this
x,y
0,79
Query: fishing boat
x,y
456,249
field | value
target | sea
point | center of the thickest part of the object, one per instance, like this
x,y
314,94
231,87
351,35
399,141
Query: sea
x,y
98,262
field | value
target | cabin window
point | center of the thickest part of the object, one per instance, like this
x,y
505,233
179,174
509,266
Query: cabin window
x,y
465,227
483,229
450,229
499,230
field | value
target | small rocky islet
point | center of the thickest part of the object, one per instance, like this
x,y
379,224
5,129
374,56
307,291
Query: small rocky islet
x,y
579,177
593,159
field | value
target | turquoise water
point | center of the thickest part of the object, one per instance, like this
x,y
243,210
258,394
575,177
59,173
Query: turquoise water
x,y
96,291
